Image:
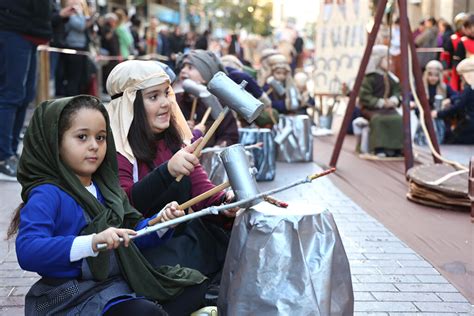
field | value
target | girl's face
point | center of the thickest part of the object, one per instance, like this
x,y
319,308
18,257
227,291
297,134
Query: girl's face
x,y
83,145
279,74
157,107
433,78
190,72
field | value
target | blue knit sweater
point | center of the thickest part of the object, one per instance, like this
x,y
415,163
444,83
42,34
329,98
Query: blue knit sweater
x,y
49,222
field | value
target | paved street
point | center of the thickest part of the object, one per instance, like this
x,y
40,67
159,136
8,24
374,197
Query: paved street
x,y
388,277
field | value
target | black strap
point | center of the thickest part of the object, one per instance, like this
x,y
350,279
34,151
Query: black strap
x,y
116,96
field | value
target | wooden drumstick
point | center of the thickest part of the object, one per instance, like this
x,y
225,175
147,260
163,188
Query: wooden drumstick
x,y
195,200
206,116
193,109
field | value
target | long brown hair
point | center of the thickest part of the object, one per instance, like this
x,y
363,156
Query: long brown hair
x,y
141,138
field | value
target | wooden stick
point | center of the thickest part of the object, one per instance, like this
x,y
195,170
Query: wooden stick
x,y
208,136
193,109
206,116
195,200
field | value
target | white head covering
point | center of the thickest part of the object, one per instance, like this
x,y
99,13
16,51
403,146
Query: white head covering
x,y
122,84
378,53
434,66
466,69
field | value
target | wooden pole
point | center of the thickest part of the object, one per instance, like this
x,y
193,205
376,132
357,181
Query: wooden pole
x,y
358,83
43,82
405,83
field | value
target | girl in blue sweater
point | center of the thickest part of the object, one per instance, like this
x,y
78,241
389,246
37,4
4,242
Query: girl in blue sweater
x,y
72,202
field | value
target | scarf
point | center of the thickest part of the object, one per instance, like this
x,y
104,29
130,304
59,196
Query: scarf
x,y
40,164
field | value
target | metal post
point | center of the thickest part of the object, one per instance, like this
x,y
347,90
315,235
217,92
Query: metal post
x,y
358,82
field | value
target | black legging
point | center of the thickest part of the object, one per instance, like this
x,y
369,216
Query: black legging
x,y
187,302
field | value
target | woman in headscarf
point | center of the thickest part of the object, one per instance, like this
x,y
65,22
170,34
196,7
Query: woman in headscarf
x,y
150,131
379,97
200,66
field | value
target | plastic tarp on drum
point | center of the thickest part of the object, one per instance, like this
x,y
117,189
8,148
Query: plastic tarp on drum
x,y
265,157
285,265
294,139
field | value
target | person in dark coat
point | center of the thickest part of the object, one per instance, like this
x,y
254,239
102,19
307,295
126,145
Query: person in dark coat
x,y
463,133
24,25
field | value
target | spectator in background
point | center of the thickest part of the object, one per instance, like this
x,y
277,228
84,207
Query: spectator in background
x,y
123,32
59,19
419,29
299,48
75,74
427,39
449,50
465,47
151,36
24,25
176,45
135,31
110,45
163,41
203,41
463,133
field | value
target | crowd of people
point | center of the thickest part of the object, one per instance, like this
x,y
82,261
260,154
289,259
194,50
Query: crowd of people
x,y
446,78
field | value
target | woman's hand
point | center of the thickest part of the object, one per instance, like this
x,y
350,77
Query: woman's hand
x,y
111,237
170,212
230,198
434,114
183,162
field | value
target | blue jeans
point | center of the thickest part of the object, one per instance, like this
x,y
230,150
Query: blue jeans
x,y
17,88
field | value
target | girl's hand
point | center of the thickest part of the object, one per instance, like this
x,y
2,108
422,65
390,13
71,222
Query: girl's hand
x,y
434,114
445,103
183,162
171,212
111,237
191,124
200,127
230,198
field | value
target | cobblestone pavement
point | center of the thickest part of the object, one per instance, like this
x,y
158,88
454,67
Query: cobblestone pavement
x,y
388,277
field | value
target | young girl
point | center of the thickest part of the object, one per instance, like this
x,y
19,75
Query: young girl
x,y
73,202
149,131
435,88
200,66
281,88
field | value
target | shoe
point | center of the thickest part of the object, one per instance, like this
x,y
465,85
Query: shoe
x,y
8,169
211,296
381,155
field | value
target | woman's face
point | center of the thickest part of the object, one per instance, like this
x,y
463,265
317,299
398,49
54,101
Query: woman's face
x,y
433,78
190,72
157,107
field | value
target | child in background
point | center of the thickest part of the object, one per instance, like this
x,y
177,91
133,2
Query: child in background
x,y
301,80
281,88
73,202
